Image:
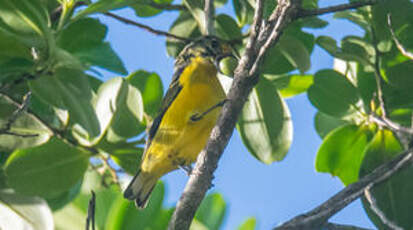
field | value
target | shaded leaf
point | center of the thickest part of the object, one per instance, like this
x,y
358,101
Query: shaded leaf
x,y
24,124
324,123
211,212
391,196
71,91
265,125
342,152
184,26
128,158
39,170
244,11
227,28
59,201
332,93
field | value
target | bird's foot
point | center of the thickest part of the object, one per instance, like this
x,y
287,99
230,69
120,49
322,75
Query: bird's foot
x,y
187,168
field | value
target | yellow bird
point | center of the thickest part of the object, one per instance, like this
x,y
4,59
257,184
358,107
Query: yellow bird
x,y
188,113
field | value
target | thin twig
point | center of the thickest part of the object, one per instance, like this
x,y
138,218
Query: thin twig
x,y
377,73
395,127
58,133
15,82
16,114
331,9
373,205
90,219
319,216
209,17
146,27
396,41
167,6
112,171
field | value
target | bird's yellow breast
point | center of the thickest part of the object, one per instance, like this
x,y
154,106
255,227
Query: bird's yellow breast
x,y
179,140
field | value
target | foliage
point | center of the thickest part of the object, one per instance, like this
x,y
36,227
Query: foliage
x,y
75,124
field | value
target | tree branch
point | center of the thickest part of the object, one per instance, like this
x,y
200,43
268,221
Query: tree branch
x,y
319,216
262,37
209,17
396,41
373,205
146,27
331,9
200,180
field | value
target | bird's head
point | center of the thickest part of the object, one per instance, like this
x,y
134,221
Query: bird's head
x,y
209,47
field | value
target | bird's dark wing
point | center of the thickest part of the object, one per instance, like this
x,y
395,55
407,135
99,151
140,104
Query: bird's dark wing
x,y
173,91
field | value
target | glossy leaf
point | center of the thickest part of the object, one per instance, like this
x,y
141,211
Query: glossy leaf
x,y
84,39
150,86
227,28
24,212
332,93
248,224
342,152
25,124
265,125
391,196
292,85
59,201
46,170
324,123
354,16
211,212
71,91
313,22
143,8
123,213
103,6
295,52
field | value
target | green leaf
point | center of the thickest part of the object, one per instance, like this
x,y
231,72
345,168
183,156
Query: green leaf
x,y
25,124
227,28
184,26
103,6
84,39
46,170
292,85
265,125
24,212
391,196
324,123
143,8
244,11
354,16
248,224
129,119
124,215
71,91
333,94
211,212
295,52
314,23
400,75
128,158
150,86
57,202
342,152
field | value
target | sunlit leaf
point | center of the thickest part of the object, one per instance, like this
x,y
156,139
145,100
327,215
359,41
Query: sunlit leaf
x,y
342,152
248,224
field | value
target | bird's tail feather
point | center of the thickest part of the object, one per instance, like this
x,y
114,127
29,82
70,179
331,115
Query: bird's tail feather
x,y
140,188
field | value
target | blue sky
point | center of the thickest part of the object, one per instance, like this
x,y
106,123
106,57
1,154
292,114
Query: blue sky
x,y
271,193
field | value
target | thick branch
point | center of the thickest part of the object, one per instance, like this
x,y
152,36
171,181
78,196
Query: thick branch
x,y
320,215
146,27
333,226
315,12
